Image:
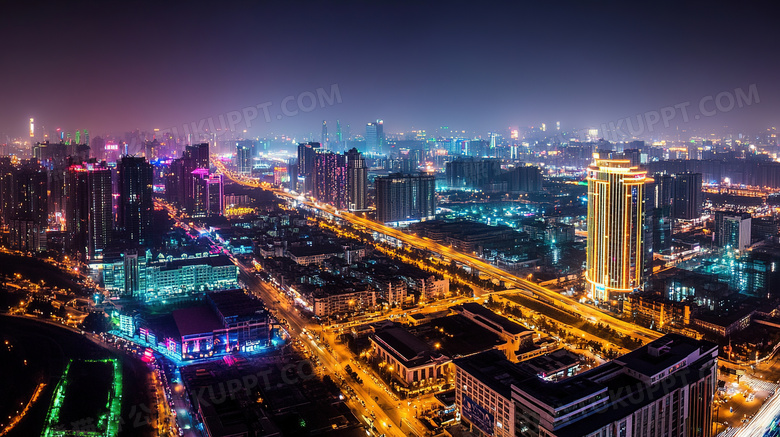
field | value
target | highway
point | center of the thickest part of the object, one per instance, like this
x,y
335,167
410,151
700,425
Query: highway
x,y
511,281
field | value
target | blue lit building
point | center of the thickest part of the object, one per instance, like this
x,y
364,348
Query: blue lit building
x,y
148,278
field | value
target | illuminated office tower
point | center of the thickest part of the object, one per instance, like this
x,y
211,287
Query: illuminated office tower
x,y
615,228
88,212
135,206
245,151
375,137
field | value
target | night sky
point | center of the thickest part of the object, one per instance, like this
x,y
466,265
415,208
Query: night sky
x,y
118,66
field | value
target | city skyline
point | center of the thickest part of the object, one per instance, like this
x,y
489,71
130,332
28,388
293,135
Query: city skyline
x,y
415,66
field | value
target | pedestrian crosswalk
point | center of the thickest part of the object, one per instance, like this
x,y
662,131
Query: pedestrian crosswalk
x,y
759,384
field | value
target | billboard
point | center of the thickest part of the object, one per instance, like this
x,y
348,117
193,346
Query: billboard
x,y
477,415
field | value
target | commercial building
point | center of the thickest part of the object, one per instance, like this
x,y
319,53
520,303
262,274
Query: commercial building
x,y
375,137
409,360
663,388
149,278
135,205
405,198
245,153
89,218
232,321
515,334
687,196
615,225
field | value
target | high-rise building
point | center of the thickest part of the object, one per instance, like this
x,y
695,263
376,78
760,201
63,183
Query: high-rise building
x,y
88,213
135,206
375,137
469,173
658,211
179,182
28,207
664,388
525,178
732,230
357,181
207,192
306,157
324,139
615,228
330,179
687,196
401,198
245,152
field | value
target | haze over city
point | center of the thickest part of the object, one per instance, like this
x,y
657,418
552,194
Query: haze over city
x,y
387,219
115,67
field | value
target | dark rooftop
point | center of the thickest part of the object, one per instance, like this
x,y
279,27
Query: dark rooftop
x,y
671,348
196,320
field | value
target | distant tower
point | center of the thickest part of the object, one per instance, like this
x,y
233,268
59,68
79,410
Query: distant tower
x,y
615,228
324,140
339,134
357,180
375,137
32,132
78,137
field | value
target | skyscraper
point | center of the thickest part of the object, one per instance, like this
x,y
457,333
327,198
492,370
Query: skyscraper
x,y
402,198
615,228
375,137
687,196
244,156
470,173
29,208
135,207
306,156
324,139
329,178
179,182
207,194
357,180
88,212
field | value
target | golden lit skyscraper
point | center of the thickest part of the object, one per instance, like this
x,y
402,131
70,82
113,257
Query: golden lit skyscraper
x,y
615,228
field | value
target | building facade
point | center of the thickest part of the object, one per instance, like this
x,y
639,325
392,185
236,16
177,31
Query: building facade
x,y
403,198
615,224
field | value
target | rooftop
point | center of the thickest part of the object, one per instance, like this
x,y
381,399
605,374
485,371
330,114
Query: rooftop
x,y
490,318
196,320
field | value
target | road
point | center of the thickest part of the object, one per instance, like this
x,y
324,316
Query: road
x,y
511,281
377,406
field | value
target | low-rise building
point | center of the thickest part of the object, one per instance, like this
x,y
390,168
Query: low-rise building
x,y
514,333
409,360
